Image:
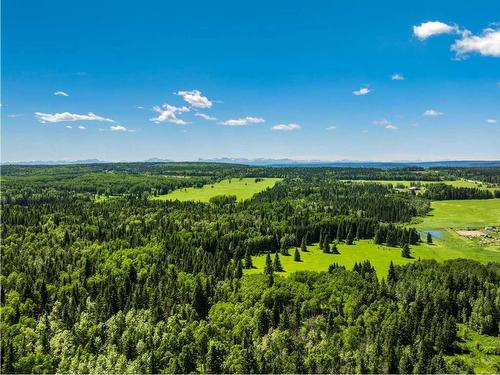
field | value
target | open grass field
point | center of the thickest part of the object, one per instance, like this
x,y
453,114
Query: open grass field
x,y
474,213
481,352
379,256
455,183
243,189
445,217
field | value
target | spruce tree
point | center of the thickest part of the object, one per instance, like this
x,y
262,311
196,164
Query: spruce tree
x,y
303,244
391,275
429,238
268,268
296,256
326,247
277,263
350,238
405,251
248,260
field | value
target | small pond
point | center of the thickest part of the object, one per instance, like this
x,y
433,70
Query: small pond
x,y
434,233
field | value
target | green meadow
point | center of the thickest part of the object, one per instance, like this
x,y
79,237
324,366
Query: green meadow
x,y
445,217
242,188
454,183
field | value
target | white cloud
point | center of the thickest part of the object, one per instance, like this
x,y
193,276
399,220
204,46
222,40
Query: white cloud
x,y
243,121
397,77
60,93
195,99
486,44
491,121
432,113
15,115
69,126
119,128
205,117
428,29
385,123
66,116
82,127
168,113
286,127
362,91
331,128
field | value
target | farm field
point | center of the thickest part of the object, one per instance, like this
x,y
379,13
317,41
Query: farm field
x,y
242,188
445,217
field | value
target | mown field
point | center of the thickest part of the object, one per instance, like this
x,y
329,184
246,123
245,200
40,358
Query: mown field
x,y
242,188
445,217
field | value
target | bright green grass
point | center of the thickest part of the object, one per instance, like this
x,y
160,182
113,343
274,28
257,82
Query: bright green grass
x,y
455,183
379,256
479,351
243,188
444,216
474,213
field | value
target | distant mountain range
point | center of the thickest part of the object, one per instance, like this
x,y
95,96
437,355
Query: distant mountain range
x,y
287,162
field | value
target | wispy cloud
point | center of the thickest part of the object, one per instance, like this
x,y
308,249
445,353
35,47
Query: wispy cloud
x,y
385,123
195,99
286,127
331,128
69,127
66,116
81,127
168,113
243,121
427,29
14,115
362,91
205,117
60,93
432,113
491,121
397,77
486,44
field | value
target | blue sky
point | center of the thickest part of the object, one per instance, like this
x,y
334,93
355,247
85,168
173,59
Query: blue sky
x,y
329,80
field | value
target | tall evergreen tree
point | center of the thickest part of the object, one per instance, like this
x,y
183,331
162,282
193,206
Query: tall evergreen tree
x,y
296,255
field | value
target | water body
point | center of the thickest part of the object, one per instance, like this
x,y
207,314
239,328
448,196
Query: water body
x,y
434,233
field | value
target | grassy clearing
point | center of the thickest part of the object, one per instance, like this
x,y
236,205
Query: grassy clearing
x,y
379,256
445,217
242,188
474,213
479,351
455,183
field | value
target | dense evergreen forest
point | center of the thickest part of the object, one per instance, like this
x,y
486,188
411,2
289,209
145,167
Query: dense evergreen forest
x,y
98,278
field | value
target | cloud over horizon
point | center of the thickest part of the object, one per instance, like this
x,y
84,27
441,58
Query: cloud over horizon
x,y
286,127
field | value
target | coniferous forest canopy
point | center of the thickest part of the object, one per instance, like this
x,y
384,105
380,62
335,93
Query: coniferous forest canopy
x,y
99,277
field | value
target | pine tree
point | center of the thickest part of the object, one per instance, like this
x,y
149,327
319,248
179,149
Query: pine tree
x,y
277,263
335,250
378,239
303,244
239,270
248,260
429,238
268,268
350,238
391,275
326,247
296,256
405,251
